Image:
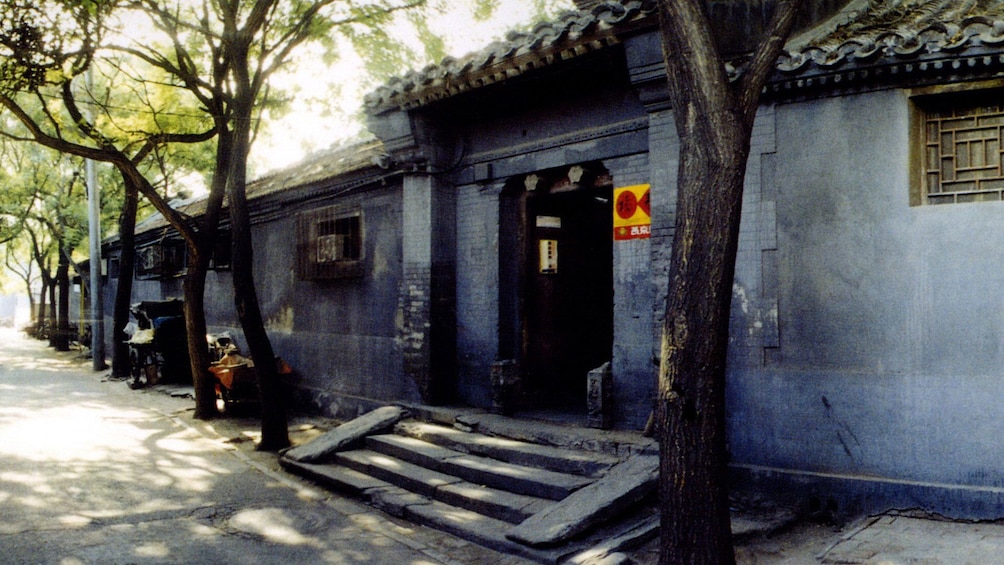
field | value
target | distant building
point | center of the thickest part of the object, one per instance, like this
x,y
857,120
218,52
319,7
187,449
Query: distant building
x,y
514,215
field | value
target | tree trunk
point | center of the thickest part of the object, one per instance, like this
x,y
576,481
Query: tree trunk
x,y
195,325
123,290
714,121
691,407
51,313
41,316
61,334
31,304
274,431
52,317
195,281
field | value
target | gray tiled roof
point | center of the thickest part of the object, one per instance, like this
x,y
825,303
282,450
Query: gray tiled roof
x,y
322,165
574,33
862,33
318,167
868,31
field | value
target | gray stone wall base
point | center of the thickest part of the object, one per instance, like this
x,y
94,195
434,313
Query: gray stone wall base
x,y
846,496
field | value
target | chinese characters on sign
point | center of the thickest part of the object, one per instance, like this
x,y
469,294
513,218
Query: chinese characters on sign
x,y
632,212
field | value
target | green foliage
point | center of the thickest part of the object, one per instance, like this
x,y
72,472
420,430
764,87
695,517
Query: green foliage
x,y
485,9
44,202
433,45
42,40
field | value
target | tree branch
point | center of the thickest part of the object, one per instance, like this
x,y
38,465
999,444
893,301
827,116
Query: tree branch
x,y
765,57
699,88
107,154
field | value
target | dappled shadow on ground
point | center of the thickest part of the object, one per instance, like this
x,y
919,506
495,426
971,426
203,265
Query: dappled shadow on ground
x,y
92,474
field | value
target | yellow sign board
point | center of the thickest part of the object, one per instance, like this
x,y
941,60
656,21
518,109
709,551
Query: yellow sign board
x,y
632,212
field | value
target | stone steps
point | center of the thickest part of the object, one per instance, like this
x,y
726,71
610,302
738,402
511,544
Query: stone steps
x,y
509,450
496,473
512,507
471,525
541,502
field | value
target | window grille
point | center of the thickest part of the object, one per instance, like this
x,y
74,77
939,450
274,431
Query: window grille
x,y
962,152
160,260
329,243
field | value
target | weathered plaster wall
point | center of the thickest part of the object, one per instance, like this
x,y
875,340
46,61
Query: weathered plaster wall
x,y
889,316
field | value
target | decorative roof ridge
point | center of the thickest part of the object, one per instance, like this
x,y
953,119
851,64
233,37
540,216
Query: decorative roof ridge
x,y
572,34
899,41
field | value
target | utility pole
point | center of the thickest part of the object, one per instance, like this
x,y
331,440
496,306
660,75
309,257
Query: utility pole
x,y
97,315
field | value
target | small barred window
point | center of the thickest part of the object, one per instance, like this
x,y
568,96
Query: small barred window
x,y
329,243
220,259
161,260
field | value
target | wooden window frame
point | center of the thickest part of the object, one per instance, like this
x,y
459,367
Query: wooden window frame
x,y
958,148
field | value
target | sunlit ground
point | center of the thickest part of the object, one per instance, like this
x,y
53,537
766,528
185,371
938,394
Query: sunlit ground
x,y
92,472
74,455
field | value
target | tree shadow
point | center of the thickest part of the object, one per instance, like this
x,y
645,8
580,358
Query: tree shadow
x,y
91,475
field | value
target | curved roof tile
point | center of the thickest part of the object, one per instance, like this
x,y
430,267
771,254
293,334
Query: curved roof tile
x,y
863,33
896,29
574,33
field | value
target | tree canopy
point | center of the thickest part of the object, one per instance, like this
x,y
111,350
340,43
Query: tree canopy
x,y
164,89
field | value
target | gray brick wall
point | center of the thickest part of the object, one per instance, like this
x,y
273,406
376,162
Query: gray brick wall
x,y
753,322
426,298
664,155
477,289
633,372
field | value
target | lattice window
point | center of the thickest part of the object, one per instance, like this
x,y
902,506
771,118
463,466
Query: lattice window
x,y
329,243
962,152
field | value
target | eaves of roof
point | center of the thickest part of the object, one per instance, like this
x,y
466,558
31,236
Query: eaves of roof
x,y
904,36
883,40
326,166
575,33
868,40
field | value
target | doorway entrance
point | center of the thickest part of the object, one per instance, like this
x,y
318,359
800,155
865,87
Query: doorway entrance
x,y
564,283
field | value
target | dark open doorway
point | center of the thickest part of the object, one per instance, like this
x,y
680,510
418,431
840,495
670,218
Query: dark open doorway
x,y
557,282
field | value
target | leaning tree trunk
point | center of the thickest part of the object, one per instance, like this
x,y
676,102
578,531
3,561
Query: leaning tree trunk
x,y
274,429
195,282
691,407
123,290
714,121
